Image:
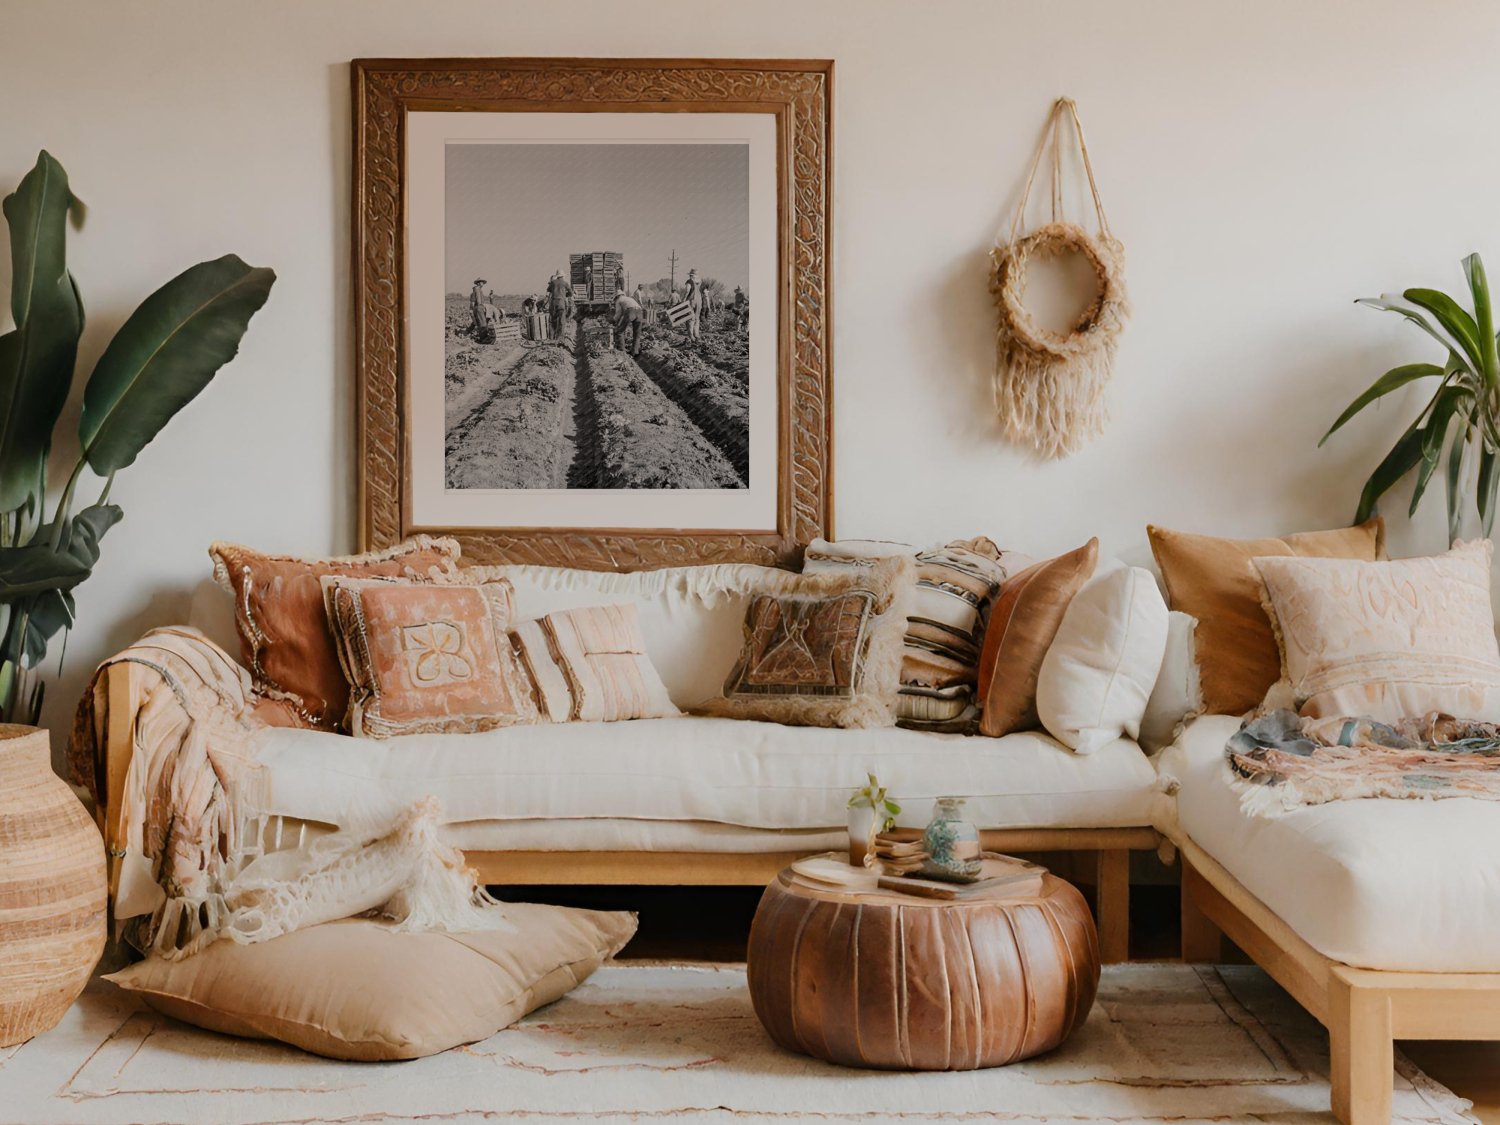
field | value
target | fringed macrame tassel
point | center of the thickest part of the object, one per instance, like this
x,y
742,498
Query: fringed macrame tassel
x,y
1049,386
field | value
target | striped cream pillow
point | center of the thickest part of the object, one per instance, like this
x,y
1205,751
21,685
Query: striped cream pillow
x,y
590,665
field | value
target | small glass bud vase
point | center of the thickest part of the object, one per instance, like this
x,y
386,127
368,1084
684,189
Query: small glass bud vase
x,y
951,843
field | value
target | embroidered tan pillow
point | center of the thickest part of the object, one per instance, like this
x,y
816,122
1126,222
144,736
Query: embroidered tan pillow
x,y
284,636
424,657
824,649
1213,580
358,990
1025,619
1391,640
590,665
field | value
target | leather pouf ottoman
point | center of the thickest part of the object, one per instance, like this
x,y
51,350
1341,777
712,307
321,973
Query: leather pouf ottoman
x,y
889,980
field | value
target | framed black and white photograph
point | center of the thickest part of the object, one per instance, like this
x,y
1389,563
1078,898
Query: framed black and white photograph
x,y
603,295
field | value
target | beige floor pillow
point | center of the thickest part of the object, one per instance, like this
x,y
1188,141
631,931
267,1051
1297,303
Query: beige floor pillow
x,y
356,990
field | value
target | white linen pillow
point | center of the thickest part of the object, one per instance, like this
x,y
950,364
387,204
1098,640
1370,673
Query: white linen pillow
x,y
1178,694
1388,640
1100,669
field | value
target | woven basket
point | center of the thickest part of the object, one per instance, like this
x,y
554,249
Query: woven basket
x,y
52,889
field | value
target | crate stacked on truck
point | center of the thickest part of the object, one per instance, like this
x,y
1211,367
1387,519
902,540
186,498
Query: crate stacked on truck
x,y
595,278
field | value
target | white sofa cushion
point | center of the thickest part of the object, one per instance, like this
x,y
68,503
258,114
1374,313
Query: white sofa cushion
x,y
731,771
1378,884
1101,665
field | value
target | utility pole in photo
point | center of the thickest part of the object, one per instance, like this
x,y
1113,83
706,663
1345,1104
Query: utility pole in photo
x,y
673,283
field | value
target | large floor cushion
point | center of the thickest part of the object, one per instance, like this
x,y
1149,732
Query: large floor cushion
x,y
730,771
1379,884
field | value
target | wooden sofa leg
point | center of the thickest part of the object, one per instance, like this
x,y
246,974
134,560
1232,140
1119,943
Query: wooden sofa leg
x,y
1112,886
1361,1052
1202,941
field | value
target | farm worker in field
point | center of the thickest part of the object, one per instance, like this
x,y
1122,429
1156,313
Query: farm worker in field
x,y
557,302
479,305
694,298
628,319
588,282
619,279
741,309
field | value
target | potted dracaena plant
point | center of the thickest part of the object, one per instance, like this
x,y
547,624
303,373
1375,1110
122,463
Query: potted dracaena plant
x,y
1458,426
162,356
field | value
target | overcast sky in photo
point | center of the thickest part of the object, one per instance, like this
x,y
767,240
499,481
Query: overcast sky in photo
x,y
516,211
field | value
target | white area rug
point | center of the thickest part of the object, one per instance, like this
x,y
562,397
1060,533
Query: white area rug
x,y
646,1042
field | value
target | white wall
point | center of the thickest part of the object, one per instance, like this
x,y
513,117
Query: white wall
x,y
1264,164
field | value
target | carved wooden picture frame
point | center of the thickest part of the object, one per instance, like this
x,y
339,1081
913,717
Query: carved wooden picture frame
x,y
388,96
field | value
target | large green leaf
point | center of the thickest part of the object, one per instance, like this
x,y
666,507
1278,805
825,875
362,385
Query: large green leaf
x,y
37,356
1454,318
164,355
35,568
1394,379
1402,458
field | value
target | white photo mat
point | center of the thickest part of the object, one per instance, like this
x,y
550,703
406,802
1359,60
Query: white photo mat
x,y
431,503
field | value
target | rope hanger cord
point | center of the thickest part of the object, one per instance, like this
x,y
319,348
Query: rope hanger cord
x,y
1049,386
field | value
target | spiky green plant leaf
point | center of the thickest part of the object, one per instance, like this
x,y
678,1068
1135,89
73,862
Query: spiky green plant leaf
x,y
1454,319
1402,458
1448,403
1489,461
1392,380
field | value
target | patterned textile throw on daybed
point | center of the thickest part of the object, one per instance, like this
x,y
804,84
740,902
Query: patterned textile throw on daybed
x,y
1281,761
189,845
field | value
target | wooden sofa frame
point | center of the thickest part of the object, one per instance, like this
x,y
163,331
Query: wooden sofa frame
x,y
1111,846
1364,1010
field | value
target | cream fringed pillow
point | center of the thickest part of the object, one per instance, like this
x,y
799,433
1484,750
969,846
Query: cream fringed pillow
x,y
590,665
1388,640
425,657
356,990
823,650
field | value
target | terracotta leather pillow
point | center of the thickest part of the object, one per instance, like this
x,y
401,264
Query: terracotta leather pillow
x,y
1215,581
278,612
1023,622
358,990
427,657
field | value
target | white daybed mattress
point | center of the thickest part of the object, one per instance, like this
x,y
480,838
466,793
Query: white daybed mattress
x,y
724,771
1378,884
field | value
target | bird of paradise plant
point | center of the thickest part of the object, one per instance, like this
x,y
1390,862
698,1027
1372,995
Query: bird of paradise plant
x,y
1457,427
163,355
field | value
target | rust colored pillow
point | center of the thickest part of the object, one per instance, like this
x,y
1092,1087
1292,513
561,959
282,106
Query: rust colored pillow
x,y
427,657
1023,622
278,612
1214,580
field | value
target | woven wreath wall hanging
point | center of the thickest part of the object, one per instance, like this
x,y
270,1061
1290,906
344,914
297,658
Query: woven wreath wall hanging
x,y
1049,386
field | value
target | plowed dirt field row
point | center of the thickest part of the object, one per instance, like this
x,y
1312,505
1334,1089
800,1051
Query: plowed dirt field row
x,y
512,426
716,401
632,435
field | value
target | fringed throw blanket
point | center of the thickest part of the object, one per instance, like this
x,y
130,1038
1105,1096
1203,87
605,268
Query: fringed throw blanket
x,y
190,840
1281,761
